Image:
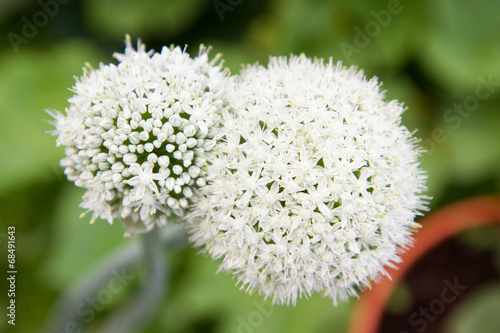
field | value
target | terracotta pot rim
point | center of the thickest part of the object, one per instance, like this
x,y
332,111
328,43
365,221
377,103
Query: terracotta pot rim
x,y
438,226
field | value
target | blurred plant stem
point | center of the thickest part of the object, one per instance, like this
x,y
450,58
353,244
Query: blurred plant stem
x,y
77,308
138,311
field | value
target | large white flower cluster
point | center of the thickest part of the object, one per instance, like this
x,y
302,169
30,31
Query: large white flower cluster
x,y
136,134
314,184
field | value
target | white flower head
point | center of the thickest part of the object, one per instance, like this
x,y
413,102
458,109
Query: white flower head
x,y
136,133
315,184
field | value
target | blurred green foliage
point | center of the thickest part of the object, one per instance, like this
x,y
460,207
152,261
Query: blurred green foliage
x,y
430,54
478,312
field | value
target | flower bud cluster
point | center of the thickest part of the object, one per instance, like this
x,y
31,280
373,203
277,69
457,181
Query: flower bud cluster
x,y
136,134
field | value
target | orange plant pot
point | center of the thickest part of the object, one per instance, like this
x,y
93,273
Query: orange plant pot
x,y
437,227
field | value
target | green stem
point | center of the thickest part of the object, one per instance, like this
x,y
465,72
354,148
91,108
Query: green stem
x,y
138,311
71,313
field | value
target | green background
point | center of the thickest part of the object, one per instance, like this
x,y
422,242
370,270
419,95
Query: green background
x,y
432,55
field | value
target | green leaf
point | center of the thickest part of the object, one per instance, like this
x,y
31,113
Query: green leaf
x,y
115,18
200,298
77,245
477,313
401,300
474,145
32,82
460,42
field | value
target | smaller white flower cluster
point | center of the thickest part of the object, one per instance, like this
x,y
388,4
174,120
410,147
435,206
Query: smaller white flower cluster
x,y
136,133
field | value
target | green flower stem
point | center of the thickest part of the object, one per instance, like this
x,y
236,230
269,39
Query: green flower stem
x,y
71,312
142,307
